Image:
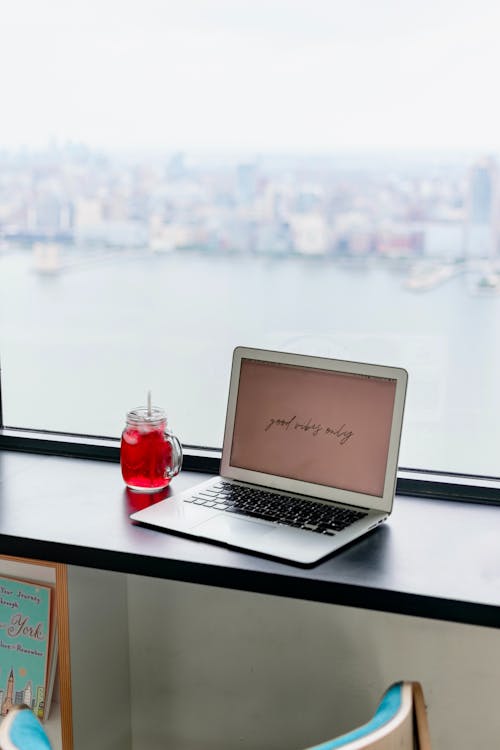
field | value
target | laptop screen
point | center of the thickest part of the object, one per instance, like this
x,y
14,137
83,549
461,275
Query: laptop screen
x,y
321,426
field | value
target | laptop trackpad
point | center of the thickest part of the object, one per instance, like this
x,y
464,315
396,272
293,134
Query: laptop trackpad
x,y
237,531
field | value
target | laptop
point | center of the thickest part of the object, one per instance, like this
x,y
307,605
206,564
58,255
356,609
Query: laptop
x,y
309,458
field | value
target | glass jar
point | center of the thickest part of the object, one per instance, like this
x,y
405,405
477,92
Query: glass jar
x,y
150,455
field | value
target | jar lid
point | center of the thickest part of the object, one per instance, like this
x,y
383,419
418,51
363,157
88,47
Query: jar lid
x,y
141,414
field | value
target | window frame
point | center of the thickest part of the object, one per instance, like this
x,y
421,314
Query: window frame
x,y
420,483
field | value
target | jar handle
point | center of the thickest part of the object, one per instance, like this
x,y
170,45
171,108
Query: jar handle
x,y
176,466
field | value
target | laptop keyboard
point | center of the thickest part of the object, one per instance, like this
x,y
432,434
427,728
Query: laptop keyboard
x,y
290,511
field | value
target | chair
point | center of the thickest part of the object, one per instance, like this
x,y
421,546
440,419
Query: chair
x,y
400,723
21,730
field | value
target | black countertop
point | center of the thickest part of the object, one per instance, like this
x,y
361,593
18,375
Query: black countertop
x,y
433,558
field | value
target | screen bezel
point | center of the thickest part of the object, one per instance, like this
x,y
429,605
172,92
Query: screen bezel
x,y
382,503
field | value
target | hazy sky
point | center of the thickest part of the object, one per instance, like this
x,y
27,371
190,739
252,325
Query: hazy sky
x,y
262,75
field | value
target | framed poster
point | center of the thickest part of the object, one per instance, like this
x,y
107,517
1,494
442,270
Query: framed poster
x,y
34,643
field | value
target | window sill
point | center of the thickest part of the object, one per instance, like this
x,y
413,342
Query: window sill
x,y
431,559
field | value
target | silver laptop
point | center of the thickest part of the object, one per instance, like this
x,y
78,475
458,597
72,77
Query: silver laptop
x,y
309,459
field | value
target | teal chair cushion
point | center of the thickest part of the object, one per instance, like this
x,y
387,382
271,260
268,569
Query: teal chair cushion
x,y
387,709
21,730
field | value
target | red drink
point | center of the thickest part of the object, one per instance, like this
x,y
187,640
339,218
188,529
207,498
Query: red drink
x,y
150,455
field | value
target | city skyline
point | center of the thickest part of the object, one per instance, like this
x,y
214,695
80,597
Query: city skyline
x,y
263,205
442,218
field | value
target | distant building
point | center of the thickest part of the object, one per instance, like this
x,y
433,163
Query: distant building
x,y
353,234
8,700
246,180
28,694
176,167
482,215
399,242
88,220
237,236
47,213
93,227
164,237
310,234
273,238
308,199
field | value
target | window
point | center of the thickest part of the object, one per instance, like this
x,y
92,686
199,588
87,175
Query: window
x,y
180,178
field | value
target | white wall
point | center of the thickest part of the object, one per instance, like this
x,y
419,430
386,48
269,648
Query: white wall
x,y
221,669
99,650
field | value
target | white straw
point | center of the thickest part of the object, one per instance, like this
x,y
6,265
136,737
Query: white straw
x,y
149,403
